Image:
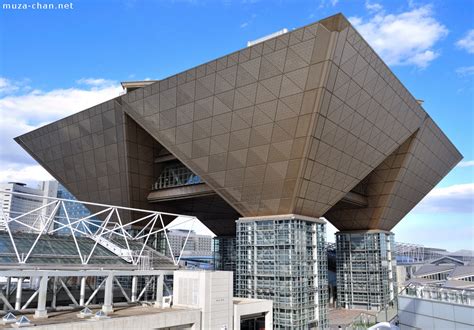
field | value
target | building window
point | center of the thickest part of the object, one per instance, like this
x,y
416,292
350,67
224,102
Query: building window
x,y
176,175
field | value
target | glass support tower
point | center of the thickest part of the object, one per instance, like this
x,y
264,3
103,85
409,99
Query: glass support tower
x,y
366,274
225,255
283,258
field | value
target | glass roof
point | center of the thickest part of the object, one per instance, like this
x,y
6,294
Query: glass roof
x,y
54,249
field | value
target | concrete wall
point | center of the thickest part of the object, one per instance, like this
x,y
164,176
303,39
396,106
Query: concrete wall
x,y
186,319
210,291
431,314
251,307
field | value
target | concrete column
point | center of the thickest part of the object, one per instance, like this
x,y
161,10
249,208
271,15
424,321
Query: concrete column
x,y
40,312
107,307
269,320
134,288
7,292
82,296
55,292
8,288
237,318
159,291
19,290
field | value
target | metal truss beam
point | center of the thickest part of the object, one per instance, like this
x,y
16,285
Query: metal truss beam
x,y
108,233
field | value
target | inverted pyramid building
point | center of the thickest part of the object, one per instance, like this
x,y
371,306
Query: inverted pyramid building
x,y
311,122
307,124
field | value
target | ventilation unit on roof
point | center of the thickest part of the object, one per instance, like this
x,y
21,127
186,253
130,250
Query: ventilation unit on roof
x,y
262,39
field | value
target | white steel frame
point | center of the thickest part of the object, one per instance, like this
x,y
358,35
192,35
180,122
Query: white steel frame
x,y
58,280
112,225
414,252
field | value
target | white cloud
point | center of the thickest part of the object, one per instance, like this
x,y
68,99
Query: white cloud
x,y
465,71
249,21
457,198
8,86
96,82
328,3
407,38
38,106
373,6
466,163
27,174
467,43
23,110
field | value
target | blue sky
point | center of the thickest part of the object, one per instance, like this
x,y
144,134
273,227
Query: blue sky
x,y
57,62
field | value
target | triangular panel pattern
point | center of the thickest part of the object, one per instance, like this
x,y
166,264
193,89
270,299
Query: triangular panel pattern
x,y
288,126
86,152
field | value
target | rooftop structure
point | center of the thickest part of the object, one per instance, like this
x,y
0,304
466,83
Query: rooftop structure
x,y
430,307
111,234
198,299
267,37
406,253
110,268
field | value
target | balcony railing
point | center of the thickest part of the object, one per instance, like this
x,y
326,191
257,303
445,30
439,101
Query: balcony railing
x,y
450,295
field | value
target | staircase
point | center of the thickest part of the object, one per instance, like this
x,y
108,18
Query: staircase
x,y
125,254
150,258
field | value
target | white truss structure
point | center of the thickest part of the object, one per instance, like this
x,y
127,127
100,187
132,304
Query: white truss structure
x,y
48,222
409,252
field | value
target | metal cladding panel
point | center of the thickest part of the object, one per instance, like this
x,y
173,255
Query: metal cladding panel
x,y
401,181
291,125
85,152
141,151
241,122
99,154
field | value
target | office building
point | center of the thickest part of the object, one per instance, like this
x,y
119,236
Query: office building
x,y
310,122
18,205
193,244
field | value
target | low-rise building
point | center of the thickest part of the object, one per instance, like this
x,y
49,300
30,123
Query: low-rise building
x,y
445,272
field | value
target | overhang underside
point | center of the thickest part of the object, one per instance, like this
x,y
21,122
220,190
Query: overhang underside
x,y
204,203
211,210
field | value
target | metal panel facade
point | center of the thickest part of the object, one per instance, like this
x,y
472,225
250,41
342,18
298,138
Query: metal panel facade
x,y
289,125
